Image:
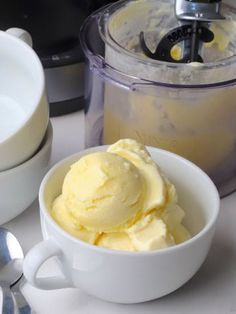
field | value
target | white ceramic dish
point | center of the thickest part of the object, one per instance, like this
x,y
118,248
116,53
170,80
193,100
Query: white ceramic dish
x,y
19,186
24,112
127,277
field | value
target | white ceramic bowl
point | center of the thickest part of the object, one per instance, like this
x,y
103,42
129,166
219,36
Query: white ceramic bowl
x,y
19,186
127,277
24,112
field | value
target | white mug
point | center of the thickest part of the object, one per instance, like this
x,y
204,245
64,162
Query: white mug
x,y
119,276
24,112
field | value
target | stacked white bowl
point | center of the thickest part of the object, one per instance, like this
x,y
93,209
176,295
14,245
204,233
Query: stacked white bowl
x,y
25,130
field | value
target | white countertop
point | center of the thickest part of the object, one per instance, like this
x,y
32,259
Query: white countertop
x,y
211,291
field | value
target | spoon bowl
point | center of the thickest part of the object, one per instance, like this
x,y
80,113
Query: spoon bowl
x,y
11,261
11,257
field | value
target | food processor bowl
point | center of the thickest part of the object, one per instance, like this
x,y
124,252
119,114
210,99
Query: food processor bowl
x,y
188,109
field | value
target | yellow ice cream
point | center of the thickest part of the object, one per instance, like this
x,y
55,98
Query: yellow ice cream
x,y
155,189
104,192
119,199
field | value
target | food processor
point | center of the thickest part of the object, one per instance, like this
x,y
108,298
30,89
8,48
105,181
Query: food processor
x,y
163,72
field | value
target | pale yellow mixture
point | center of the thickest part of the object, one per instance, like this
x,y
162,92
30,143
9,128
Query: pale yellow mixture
x,y
120,199
199,127
198,124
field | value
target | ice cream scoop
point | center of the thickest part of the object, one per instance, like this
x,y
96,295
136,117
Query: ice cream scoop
x,y
137,154
104,192
120,199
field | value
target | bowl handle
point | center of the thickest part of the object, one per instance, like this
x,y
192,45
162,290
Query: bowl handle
x,y
21,34
34,260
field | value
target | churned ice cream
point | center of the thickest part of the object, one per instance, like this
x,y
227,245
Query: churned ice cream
x,y
119,199
188,109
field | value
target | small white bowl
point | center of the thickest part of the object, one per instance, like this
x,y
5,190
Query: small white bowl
x,y
24,112
19,186
119,276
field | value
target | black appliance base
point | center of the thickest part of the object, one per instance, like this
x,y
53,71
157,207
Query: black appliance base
x,y
67,106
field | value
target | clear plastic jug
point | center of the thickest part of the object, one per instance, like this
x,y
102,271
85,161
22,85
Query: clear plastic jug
x,y
188,109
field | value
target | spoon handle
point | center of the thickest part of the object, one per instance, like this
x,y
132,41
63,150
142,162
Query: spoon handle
x,y
8,305
22,304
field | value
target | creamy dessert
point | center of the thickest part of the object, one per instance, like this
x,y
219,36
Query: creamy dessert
x,y
120,199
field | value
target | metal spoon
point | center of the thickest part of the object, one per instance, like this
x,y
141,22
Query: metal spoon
x,y
11,260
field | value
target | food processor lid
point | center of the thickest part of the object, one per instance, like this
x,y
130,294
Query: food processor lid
x,y
119,27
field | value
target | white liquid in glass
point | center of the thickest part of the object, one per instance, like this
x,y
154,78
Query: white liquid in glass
x,y
11,116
